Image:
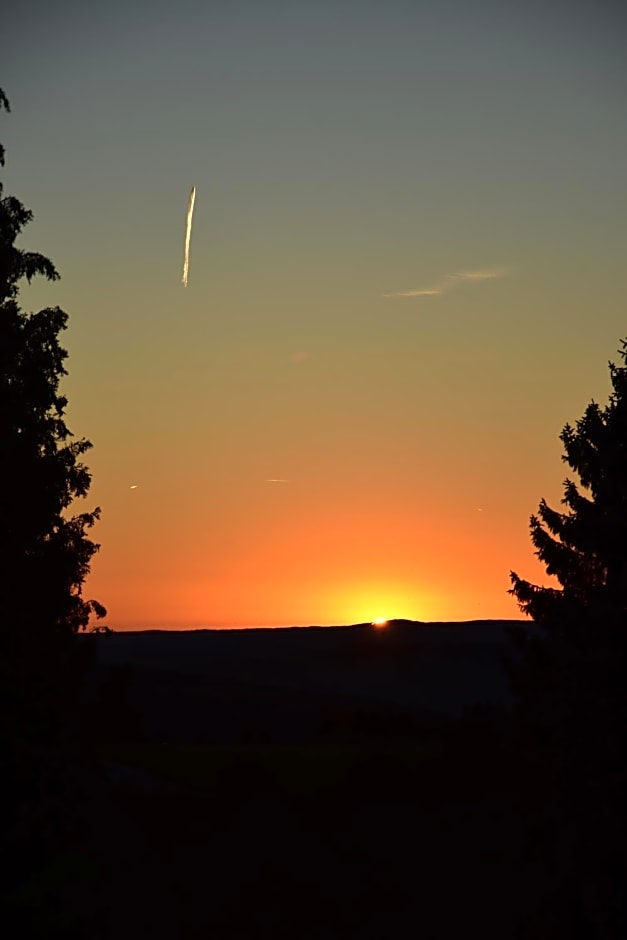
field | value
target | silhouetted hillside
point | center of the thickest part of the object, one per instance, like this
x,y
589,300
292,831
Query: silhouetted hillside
x,y
288,684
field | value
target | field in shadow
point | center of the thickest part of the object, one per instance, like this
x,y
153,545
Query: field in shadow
x,y
303,785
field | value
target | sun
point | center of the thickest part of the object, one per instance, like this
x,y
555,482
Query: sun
x,y
380,622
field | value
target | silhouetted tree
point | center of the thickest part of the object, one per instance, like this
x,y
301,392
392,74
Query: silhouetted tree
x,y
572,678
586,547
45,553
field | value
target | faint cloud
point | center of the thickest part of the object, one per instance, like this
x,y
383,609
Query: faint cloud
x,y
277,481
483,274
298,356
424,292
450,281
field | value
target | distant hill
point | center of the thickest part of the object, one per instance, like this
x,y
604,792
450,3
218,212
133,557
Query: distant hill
x,y
220,685
398,623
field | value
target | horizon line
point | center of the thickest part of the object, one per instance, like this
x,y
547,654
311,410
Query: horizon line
x,y
215,628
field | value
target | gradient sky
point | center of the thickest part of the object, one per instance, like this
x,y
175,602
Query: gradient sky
x,y
341,152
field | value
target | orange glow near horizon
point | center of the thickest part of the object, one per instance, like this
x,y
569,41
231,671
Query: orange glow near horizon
x,y
304,570
355,405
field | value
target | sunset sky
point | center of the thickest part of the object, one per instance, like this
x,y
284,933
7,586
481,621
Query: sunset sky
x,y
407,273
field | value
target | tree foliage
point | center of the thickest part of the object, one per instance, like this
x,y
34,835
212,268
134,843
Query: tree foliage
x,y
45,553
571,678
49,785
585,547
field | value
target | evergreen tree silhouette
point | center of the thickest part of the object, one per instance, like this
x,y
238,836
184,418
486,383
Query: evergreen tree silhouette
x,y
586,547
44,551
572,677
45,557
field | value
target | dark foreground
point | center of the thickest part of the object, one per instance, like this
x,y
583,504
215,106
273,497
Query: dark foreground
x,y
305,786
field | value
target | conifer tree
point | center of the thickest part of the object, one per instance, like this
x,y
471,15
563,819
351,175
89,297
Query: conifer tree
x,y
45,553
585,548
45,556
572,677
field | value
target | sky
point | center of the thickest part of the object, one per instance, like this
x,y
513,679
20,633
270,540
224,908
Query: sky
x,y
407,273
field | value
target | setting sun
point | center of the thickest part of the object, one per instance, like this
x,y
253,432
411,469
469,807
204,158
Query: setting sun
x,y
366,439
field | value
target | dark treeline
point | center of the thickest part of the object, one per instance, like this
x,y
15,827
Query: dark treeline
x,y
44,558
571,680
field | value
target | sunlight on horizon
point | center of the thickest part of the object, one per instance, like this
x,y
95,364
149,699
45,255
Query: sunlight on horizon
x,y
353,427
356,603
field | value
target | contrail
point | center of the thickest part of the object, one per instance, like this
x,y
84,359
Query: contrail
x,y
188,233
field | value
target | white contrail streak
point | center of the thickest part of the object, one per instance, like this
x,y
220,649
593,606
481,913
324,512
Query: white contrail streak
x,y
188,234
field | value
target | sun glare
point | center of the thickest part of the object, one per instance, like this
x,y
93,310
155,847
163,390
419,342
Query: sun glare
x,y
380,622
